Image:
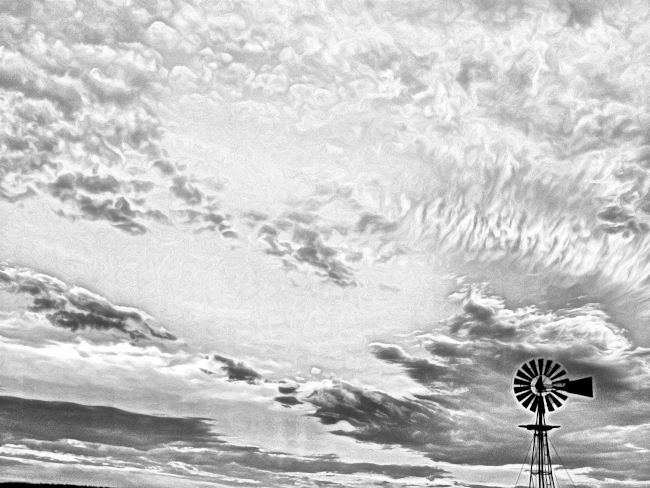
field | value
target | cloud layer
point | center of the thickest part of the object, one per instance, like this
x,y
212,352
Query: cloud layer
x,y
81,435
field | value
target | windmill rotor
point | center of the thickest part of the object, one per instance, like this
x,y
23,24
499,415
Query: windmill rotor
x,y
543,384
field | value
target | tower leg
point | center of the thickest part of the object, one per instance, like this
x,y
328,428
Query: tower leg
x,y
541,469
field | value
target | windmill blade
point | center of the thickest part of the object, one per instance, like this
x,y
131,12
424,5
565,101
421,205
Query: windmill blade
x,y
582,387
558,375
549,363
523,396
523,376
521,389
523,381
533,366
553,369
549,406
562,397
557,402
528,371
526,402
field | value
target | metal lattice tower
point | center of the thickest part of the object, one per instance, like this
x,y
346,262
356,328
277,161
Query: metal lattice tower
x,y
540,386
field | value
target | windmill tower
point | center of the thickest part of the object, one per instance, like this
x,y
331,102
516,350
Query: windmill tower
x,y
541,385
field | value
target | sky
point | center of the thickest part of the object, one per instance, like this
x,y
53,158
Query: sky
x,y
309,243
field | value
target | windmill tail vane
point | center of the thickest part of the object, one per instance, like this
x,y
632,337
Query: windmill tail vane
x,y
542,386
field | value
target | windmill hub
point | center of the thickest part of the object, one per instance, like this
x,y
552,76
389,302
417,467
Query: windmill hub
x,y
541,385
538,385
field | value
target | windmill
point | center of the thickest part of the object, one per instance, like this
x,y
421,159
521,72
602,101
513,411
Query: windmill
x,y
541,386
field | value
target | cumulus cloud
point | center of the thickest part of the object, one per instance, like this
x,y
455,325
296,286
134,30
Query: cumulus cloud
x,y
583,339
76,308
330,234
306,247
79,120
106,67
237,370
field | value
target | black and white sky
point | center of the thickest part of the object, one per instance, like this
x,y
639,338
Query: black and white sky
x,y
309,242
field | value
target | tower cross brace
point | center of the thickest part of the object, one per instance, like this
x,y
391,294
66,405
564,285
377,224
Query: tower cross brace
x,y
541,468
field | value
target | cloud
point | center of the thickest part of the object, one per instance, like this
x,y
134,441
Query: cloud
x,y
420,369
74,105
584,339
182,189
525,157
237,370
68,182
288,400
76,308
306,247
377,416
53,421
470,414
328,234
162,51
210,219
103,436
470,372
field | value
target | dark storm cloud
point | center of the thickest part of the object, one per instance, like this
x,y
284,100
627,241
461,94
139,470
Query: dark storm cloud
x,y
237,370
114,436
52,421
288,400
75,308
381,418
452,433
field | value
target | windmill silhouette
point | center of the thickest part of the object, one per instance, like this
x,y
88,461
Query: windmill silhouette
x,y
541,385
